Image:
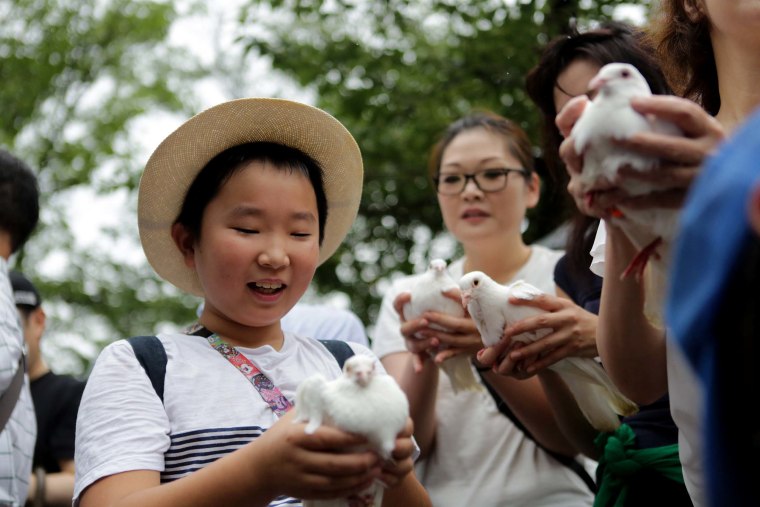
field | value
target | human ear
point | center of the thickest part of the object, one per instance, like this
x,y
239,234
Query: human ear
x,y
694,9
185,241
532,190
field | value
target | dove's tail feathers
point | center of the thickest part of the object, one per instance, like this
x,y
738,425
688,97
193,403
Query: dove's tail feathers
x,y
587,371
592,400
460,374
655,290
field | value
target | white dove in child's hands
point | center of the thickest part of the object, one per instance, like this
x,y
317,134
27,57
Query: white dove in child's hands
x,y
362,402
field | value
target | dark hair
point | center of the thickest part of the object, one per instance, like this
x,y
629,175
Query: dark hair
x,y
20,198
223,166
612,42
685,52
517,140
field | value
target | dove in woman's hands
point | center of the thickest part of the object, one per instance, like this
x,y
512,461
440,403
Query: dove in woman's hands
x,y
488,303
429,295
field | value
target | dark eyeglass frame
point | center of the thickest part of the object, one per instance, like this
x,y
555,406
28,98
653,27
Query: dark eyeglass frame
x,y
474,177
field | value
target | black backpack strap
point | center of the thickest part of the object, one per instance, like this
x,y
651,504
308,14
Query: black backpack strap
x,y
568,461
150,352
10,397
339,349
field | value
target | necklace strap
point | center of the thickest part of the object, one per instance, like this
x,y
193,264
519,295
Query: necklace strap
x,y
268,391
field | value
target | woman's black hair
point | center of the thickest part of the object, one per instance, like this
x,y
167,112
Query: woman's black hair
x,y
222,167
612,42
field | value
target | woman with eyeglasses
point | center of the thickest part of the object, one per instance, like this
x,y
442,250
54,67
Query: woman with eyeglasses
x,y
501,445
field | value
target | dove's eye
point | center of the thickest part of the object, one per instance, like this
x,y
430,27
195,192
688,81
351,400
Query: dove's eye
x,y
475,282
625,73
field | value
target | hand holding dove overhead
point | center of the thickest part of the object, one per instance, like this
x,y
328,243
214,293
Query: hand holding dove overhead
x,y
428,294
606,120
489,306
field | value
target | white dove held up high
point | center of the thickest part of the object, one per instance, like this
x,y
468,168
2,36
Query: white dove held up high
x,y
427,294
610,116
360,401
488,303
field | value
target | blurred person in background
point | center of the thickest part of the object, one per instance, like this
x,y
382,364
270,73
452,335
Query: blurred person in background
x,y
19,213
56,401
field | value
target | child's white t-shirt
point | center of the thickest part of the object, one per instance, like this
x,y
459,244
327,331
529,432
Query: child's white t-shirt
x,y
210,408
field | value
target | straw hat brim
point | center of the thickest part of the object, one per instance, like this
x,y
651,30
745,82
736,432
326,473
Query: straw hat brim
x,y
180,157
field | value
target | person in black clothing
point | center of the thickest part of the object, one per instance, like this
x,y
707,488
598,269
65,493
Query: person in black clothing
x,y
56,401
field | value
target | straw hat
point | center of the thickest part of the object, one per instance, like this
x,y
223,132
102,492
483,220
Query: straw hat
x,y
180,157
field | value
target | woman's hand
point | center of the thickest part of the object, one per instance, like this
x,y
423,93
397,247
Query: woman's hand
x,y
573,335
437,335
416,342
461,336
682,156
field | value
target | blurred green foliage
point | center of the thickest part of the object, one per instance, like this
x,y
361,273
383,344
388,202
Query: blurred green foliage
x,y
396,73
77,76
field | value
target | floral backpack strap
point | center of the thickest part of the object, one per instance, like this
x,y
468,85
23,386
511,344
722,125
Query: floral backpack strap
x,y
268,391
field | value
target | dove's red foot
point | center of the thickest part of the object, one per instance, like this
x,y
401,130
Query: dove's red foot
x,y
641,259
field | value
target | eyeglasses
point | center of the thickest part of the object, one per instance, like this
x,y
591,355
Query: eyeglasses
x,y
487,180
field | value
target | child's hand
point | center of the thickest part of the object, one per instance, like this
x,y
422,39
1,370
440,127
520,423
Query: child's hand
x,y
315,466
395,470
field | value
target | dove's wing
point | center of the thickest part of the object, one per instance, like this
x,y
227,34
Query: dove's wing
x,y
310,403
461,376
597,397
523,290
490,317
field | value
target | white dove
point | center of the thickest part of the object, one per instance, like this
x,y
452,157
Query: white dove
x,y
610,116
488,304
427,295
359,401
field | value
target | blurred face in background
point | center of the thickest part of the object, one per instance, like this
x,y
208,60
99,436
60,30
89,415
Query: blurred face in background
x,y
573,81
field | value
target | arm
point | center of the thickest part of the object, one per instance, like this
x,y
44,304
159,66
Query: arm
x,y
529,402
574,334
284,460
11,337
573,423
58,488
628,343
405,489
415,373
421,390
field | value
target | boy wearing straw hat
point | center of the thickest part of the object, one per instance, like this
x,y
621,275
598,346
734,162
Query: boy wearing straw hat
x,y
239,205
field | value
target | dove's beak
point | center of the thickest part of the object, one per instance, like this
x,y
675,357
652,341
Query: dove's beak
x,y
595,84
466,297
